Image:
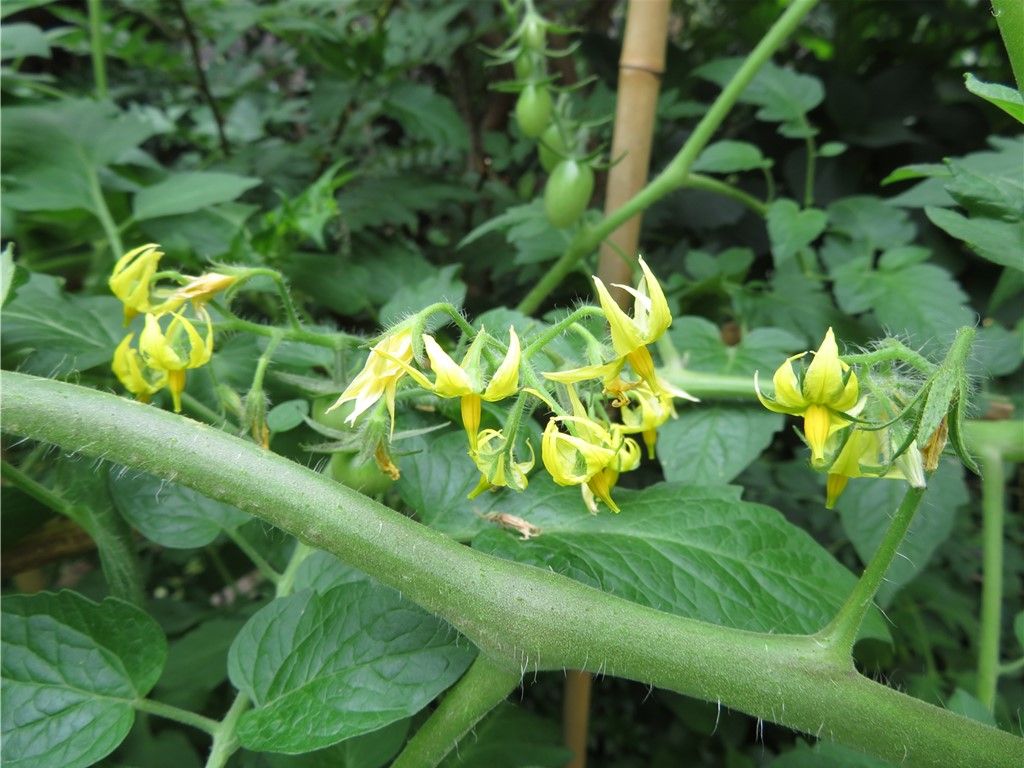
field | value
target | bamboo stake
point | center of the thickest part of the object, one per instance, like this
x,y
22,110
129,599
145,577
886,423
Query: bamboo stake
x,y
641,65
640,68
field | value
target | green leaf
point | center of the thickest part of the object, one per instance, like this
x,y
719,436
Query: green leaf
x,y
791,230
868,503
729,157
71,670
511,737
287,415
321,572
1001,242
693,551
53,153
792,301
1007,99
435,482
832,149
700,343
963,703
1018,628
171,514
396,200
871,220
985,195
324,668
443,285
710,445
371,750
427,115
783,95
188,192
20,40
48,332
920,301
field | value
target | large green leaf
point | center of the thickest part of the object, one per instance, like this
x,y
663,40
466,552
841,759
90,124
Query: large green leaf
x,y
871,220
1010,100
48,332
729,157
694,551
188,192
712,444
371,750
322,668
1001,242
53,153
171,514
867,505
71,670
197,663
921,301
784,96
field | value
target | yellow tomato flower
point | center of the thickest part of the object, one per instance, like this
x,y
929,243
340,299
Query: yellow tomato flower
x,y
175,350
386,365
131,278
198,290
498,467
826,395
651,316
592,458
869,454
466,380
643,411
138,378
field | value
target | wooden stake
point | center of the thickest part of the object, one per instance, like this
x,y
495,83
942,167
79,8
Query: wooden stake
x,y
640,68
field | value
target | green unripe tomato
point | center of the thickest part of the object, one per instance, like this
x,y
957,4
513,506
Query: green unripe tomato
x,y
551,149
568,192
365,478
534,33
336,418
533,110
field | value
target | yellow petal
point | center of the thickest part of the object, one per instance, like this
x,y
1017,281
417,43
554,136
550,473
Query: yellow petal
x,y
155,348
601,486
471,418
787,386
851,391
834,487
817,423
604,371
823,381
449,379
625,335
773,405
505,381
176,383
660,317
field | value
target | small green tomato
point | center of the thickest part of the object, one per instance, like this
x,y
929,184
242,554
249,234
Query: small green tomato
x,y
365,478
533,110
568,192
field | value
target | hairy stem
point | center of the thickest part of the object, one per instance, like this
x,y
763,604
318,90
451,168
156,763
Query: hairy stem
x,y
840,635
529,617
485,685
993,490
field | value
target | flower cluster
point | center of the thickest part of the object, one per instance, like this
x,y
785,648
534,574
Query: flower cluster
x,y
581,445
169,344
849,434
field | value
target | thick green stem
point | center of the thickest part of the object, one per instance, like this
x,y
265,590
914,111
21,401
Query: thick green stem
x,y
170,712
98,50
840,635
484,686
993,489
529,617
675,174
1010,18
